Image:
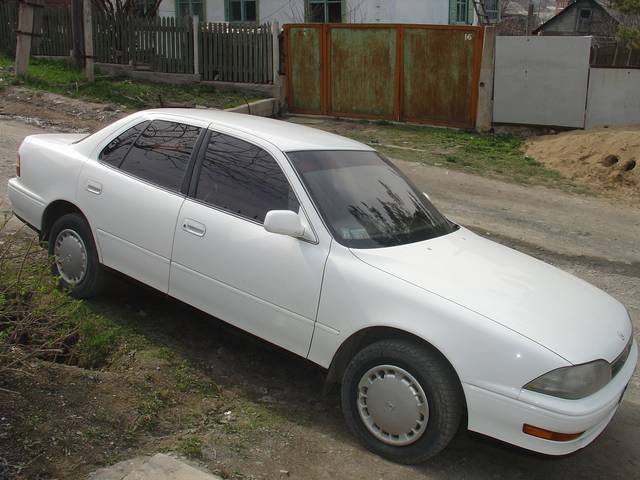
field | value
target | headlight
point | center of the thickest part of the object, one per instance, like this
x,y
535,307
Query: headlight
x,y
577,381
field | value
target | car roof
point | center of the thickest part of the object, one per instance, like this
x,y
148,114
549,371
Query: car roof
x,y
286,136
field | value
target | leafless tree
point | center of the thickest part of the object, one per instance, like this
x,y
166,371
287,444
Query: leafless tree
x,y
128,7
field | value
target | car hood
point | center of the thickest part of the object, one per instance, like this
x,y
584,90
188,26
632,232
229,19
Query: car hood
x,y
572,318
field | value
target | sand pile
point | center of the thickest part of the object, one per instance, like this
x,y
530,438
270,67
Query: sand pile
x,y
605,160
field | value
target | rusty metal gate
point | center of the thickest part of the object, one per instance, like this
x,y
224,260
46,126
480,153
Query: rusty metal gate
x,y
417,73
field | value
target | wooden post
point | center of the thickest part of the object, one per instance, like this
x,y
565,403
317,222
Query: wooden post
x,y
275,32
530,18
88,41
24,33
76,30
196,45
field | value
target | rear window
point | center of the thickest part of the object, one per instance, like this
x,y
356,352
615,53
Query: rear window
x,y
117,149
161,153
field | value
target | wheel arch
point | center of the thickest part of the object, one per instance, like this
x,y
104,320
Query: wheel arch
x,y
365,337
54,211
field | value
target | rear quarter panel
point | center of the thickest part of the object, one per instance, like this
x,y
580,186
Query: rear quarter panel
x,y
49,168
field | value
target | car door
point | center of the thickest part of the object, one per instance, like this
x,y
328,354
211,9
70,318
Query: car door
x,y
225,263
132,194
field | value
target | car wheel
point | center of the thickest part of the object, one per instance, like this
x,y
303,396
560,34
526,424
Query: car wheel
x,y
402,400
75,259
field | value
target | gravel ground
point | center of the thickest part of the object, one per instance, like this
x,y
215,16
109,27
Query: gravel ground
x,y
585,235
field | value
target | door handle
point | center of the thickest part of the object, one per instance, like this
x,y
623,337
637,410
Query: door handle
x,y
194,228
94,187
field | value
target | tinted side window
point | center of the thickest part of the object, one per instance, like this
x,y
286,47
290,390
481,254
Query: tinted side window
x,y
161,154
243,179
117,148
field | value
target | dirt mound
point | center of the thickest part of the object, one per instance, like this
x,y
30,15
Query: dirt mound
x,y
605,160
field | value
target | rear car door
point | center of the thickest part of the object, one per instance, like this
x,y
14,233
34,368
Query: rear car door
x,y
132,194
224,261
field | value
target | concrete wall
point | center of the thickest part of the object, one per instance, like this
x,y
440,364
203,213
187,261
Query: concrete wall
x,y
614,97
358,11
541,80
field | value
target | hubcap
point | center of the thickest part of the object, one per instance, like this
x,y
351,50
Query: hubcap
x,y
70,256
392,405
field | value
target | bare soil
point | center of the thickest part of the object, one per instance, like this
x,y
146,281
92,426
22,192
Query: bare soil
x,y
184,382
606,160
46,109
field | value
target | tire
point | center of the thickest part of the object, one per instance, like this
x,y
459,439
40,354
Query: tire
x,y
80,273
384,363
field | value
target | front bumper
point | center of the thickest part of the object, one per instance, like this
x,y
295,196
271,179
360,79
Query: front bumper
x,y
503,417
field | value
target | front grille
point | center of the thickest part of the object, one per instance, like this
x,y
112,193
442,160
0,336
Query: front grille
x,y
618,363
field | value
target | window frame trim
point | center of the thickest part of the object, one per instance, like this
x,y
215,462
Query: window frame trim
x,y
343,10
227,12
203,3
195,175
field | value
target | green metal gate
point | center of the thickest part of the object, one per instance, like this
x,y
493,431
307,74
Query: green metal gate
x,y
418,73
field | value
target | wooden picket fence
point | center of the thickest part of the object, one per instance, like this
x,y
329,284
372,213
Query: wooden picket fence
x,y
8,25
614,54
52,26
236,53
226,52
161,44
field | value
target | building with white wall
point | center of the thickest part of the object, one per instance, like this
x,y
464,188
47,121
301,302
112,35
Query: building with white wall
x,y
339,11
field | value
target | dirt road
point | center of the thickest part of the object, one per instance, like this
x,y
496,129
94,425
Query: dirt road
x,y
584,235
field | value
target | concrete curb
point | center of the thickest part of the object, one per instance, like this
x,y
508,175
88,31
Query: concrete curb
x,y
158,467
269,107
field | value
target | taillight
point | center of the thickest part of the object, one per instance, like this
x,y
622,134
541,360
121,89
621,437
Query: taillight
x,y
18,166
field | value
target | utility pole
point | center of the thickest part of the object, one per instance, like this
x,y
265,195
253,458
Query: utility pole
x,y
24,34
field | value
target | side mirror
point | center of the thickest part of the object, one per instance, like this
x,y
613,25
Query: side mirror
x,y
284,222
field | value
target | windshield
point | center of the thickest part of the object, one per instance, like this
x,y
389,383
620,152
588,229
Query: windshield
x,y
366,201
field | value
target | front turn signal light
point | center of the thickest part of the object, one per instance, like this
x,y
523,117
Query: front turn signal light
x,y
548,434
18,166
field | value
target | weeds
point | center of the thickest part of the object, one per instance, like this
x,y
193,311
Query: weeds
x,y
190,447
40,321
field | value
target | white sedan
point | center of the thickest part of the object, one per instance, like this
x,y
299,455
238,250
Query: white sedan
x,y
317,244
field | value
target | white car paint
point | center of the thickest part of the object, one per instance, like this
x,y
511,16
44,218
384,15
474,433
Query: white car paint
x,y
501,318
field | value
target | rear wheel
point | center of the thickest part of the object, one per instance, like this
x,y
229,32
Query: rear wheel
x,y
75,259
402,400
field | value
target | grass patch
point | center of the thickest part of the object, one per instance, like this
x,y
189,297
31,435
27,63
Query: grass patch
x,y
149,410
487,154
64,79
190,447
188,379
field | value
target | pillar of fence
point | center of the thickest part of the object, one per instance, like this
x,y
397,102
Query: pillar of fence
x,y
88,41
24,34
275,38
196,45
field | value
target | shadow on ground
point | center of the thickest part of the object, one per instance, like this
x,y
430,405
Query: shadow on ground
x,y
320,445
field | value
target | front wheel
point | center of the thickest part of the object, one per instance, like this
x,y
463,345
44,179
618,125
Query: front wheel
x,y
75,259
402,400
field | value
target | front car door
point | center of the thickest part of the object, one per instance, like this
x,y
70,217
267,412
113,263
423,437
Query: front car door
x,y
225,263
132,193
